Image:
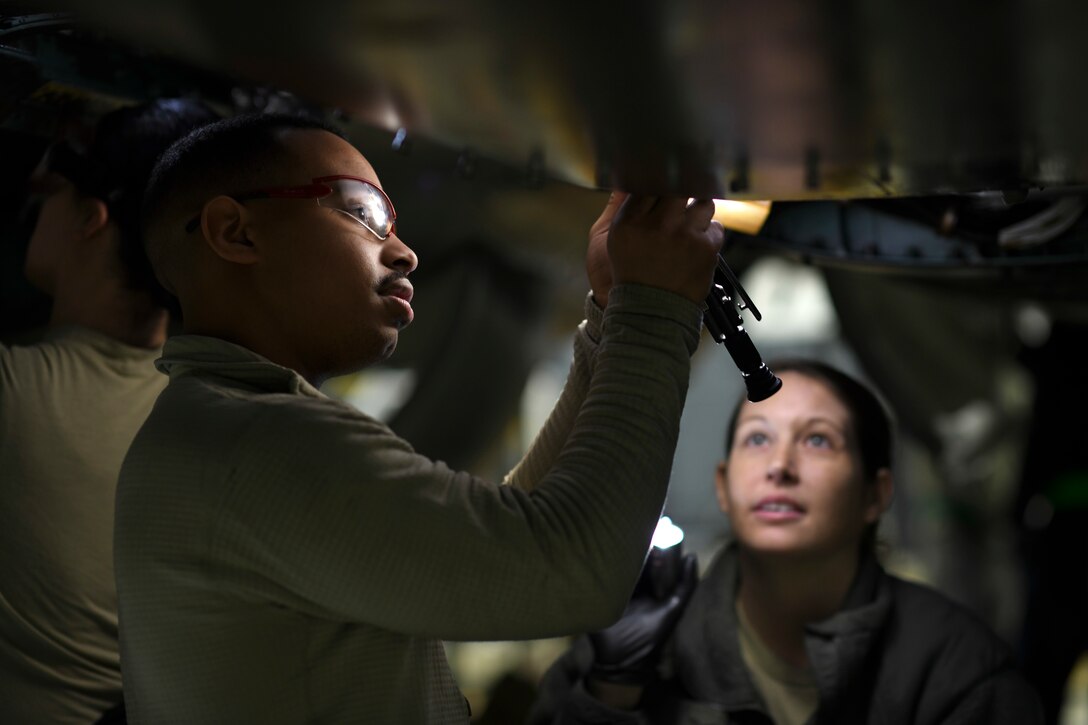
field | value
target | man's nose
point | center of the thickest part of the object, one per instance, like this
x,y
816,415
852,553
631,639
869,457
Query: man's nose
x,y
398,255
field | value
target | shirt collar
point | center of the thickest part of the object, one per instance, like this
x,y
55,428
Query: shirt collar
x,y
184,355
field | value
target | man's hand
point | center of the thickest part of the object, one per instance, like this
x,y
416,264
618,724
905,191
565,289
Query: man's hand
x,y
659,242
598,266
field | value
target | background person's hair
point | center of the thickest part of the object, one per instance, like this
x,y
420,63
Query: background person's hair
x,y
869,419
126,145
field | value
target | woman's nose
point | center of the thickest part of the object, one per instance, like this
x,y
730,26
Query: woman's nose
x,y
780,468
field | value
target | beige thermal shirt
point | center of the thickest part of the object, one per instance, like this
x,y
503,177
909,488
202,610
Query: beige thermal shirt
x,y
789,692
283,558
69,408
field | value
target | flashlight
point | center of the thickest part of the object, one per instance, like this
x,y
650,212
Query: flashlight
x,y
727,297
663,563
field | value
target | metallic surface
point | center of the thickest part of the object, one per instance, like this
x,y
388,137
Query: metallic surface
x,y
780,99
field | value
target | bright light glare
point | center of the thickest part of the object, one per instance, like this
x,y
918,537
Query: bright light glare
x,y
667,533
746,217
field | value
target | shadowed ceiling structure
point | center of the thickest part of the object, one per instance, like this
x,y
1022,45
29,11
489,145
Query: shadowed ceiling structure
x,y
779,99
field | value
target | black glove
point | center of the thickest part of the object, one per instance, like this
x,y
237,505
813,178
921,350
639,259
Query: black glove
x,y
627,653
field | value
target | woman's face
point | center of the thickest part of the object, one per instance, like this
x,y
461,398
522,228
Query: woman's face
x,y
794,481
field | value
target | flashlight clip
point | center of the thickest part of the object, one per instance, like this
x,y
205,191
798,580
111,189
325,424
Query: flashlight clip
x,y
726,299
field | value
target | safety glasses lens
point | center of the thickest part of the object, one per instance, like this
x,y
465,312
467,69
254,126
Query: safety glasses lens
x,y
363,202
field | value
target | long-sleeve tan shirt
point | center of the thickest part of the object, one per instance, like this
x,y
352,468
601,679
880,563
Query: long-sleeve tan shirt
x,y
70,406
283,558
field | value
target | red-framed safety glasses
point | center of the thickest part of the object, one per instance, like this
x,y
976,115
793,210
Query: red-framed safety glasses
x,y
357,198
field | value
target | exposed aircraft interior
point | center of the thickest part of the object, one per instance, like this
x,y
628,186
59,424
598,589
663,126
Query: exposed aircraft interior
x,y
903,188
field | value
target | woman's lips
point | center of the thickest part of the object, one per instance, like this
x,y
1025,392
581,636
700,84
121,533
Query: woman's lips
x,y
775,509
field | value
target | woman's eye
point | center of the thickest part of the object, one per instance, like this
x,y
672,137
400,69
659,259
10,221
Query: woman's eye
x,y
819,440
755,439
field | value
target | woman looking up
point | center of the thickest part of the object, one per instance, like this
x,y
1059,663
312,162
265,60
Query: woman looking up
x,y
795,621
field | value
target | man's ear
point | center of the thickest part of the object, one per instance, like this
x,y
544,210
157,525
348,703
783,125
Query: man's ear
x,y
721,486
882,491
223,222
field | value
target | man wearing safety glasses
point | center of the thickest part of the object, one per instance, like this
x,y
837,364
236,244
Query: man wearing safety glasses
x,y
282,557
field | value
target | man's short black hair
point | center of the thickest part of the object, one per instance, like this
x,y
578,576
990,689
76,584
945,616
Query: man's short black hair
x,y
127,143
223,157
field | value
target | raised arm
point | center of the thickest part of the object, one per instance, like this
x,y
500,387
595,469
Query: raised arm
x,y
549,441
410,546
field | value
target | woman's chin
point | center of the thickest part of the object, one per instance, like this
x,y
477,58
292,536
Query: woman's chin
x,y
774,543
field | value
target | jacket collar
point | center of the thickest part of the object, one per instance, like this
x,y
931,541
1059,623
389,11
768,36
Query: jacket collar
x,y
184,355
708,659
839,647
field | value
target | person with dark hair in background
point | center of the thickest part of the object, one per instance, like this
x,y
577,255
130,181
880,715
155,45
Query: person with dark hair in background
x,y
282,557
795,621
69,408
